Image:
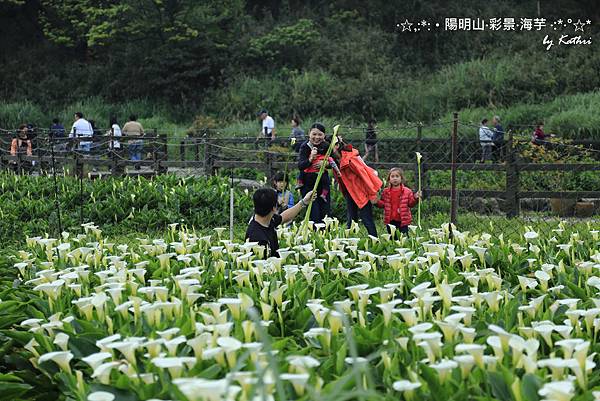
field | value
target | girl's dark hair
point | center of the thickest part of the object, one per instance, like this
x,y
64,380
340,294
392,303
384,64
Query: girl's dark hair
x,y
112,120
279,176
297,120
539,124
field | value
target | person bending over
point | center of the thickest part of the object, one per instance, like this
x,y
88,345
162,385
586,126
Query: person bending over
x,y
262,226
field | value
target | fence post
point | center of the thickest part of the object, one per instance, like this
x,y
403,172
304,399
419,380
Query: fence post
x,y
268,164
19,161
453,199
182,150
164,154
208,160
196,149
78,165
512,179
38,153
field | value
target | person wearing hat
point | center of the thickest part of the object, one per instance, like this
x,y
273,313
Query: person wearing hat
x,y
268,125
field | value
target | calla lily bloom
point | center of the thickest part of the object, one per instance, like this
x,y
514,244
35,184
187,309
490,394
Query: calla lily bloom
x,y
61,358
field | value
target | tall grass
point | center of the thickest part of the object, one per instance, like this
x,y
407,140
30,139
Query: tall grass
x,y
149,113
497,81
521,88
569,117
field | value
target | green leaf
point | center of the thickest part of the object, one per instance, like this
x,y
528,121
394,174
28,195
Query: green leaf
x,y
431,377
10,378
577,291
530,386
499,387
9,391
340,355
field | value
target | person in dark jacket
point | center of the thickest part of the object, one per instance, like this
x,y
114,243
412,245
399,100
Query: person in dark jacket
x,y
498,150
311,155
297,136
371,140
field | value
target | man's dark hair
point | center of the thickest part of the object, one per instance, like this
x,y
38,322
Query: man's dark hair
x,y
265,199
484,121
132,117
79,114
55,121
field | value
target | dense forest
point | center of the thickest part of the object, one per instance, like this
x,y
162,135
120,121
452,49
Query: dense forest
x,y
346,58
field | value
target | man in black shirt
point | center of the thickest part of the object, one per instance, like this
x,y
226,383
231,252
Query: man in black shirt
x,y
262,227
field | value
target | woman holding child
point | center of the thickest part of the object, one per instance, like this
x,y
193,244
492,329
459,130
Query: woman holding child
x,y
311,155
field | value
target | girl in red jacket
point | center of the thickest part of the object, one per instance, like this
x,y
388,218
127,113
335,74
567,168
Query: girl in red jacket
x,y
396,201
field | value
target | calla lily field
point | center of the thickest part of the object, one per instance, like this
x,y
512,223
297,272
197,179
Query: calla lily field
x,y
440,314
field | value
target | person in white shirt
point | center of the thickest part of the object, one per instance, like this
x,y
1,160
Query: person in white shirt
x,y
82,128
114,130
486,140
268,125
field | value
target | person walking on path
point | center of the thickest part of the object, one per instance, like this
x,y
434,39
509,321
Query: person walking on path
x,y
371,140
297,136
136,146
114,131
498,151
486,140
268,126
57,129
57,132
21,145
539,136
82,128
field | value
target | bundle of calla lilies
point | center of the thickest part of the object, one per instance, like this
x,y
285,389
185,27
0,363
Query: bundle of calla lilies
x,y
437,315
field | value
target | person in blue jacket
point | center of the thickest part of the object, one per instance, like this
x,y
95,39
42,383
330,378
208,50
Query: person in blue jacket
x,y
285,198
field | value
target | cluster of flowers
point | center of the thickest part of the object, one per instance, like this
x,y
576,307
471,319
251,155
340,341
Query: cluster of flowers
x,y
201,318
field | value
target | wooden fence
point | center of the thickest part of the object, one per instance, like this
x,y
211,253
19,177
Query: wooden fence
x,y
208,154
